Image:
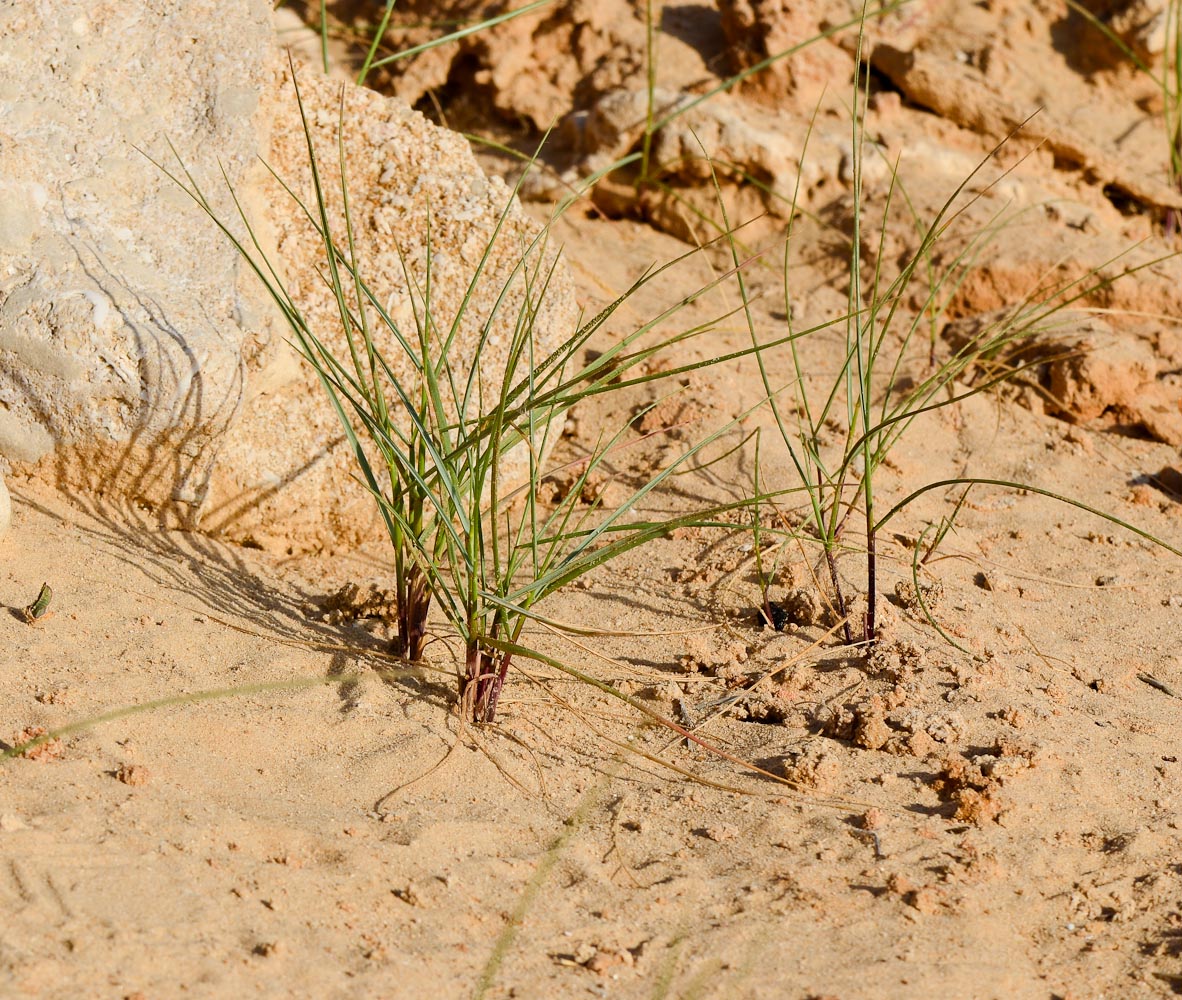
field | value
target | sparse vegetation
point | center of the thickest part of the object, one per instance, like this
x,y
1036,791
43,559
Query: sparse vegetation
x,y
984,751
432,452
887,377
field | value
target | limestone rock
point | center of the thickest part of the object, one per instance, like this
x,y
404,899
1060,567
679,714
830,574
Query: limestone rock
x,y
121,349
1092,373
715,139
1113,379
139,358
536,66
1141,26
283,473
757,30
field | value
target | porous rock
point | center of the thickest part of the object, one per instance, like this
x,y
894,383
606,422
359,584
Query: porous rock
x,y
1112,378
139,357
121,338
1132,29
755,154
538,66
419,205
1092,373
759,30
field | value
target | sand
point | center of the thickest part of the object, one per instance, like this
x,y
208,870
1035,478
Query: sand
x,y
249,797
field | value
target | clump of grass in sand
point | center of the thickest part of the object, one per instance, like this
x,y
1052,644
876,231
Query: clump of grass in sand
x,y
485,552
430,449
886,380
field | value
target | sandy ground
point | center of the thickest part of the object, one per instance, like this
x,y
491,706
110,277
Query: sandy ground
x,y
248,798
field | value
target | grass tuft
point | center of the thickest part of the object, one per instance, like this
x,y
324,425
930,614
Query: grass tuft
x,y
887,378
431,450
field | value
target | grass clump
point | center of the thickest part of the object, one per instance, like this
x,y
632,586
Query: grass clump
x,y
892,370
482,550
432,448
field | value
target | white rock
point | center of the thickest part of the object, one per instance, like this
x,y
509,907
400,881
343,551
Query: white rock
x,y
139,357
120,358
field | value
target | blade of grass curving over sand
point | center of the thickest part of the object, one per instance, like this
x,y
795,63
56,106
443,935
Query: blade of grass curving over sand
x,y
572,825
1026,488
197,697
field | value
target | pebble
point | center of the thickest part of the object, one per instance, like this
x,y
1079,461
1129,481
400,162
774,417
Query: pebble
x,y
10,822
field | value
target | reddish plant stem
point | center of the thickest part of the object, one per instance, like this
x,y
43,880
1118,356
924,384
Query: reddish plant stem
x,y
496,683
871,584
832,564
484,677
413,609
470,688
